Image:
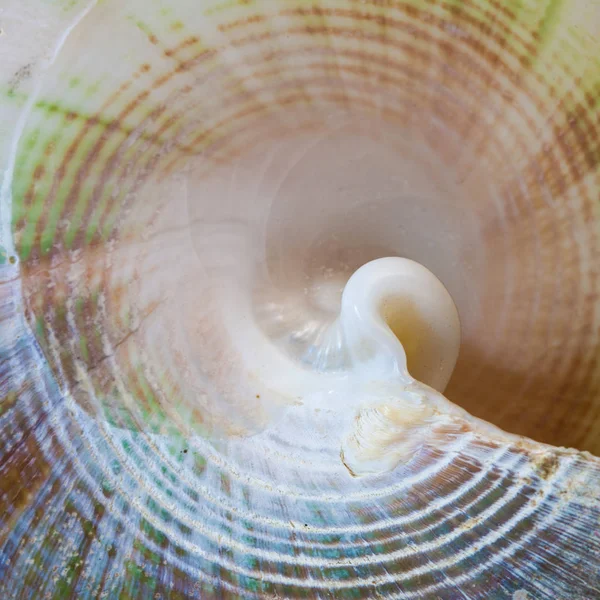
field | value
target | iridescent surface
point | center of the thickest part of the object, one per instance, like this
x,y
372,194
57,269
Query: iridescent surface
x,y
177,174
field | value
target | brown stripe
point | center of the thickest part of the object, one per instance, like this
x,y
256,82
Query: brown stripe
x,y
100,144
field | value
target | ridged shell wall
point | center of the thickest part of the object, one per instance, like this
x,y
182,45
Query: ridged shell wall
x,y
112,482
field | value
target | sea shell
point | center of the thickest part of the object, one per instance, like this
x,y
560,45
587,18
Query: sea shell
x,y
186,188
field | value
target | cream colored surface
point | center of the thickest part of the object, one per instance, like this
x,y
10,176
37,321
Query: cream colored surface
x,y
395,299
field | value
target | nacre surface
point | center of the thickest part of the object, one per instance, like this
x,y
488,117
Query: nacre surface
x,y
183,184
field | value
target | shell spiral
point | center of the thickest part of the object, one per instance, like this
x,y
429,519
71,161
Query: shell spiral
x,y
186,188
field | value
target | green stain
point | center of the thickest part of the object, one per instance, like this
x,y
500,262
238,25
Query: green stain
x,y
141,25
65,585
134,570
92,89
199,464
46,244
33,216
68,5
253,585
146,552
47,106
549,22
30,141
8,401
126,420
109,226
22,176
84,348
69,129
219,8
107,488
88,527
153,534
40,327
94,222
15,97
514,5
30,157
